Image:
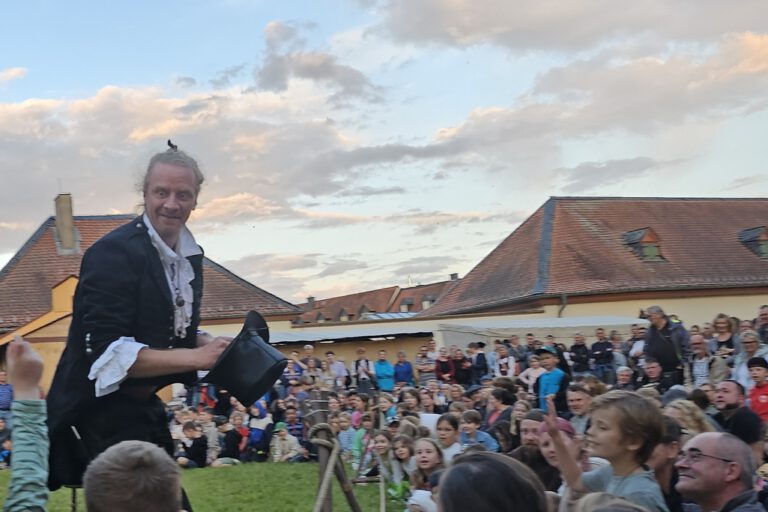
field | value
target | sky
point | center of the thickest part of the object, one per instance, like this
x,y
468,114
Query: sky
x,y
356,144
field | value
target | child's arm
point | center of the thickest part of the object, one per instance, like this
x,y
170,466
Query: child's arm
x,y
28,489
569,467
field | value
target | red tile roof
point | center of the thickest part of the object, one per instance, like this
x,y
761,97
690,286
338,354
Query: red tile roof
x,y
383,300
331,309
27,279
577,246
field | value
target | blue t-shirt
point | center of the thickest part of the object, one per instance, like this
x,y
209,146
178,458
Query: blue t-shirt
x,y
549,384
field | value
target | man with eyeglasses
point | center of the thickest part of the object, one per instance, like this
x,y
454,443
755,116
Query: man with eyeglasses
x,y
716,471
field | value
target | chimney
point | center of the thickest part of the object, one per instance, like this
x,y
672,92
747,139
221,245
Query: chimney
x,y
66,237
454,277
310,303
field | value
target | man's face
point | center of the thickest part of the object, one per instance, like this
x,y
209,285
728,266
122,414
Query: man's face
x,y
745,325
502,351
169,199
382,355
331,358
514,339
432,345
309,351
290,416
655,318
698,345
763,316
401,358
706,475
600,334
624,377
361,353
578,402
578,339
529,339
727,396
422,351
653,370
529,432
707,330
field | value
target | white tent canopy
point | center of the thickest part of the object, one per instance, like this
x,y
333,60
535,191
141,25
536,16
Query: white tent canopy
x,y
459,329
480,329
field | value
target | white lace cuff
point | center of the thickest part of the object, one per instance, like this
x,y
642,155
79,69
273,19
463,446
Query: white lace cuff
x,y
112,367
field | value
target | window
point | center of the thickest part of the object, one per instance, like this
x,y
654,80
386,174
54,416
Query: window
x,y
756,240
645,243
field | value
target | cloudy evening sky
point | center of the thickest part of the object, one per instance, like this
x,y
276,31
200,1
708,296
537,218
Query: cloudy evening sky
x,y
350,144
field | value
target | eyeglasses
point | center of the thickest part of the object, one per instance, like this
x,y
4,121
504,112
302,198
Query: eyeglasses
x,y
694,455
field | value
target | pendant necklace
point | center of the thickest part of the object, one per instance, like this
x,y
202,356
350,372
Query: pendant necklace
x,y
179,300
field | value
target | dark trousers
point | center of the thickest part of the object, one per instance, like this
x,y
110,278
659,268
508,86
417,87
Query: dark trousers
x,y
114,418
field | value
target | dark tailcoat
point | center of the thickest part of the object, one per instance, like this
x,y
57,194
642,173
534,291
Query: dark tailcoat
x,y
122,291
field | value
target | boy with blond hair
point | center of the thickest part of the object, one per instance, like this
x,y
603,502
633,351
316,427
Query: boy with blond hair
x,y
625,429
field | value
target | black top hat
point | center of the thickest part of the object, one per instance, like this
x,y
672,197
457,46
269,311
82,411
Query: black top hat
x,y
250,365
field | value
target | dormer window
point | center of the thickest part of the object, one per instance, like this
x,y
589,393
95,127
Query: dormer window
x,y
427,301
756,240
645,243
343,316
406,305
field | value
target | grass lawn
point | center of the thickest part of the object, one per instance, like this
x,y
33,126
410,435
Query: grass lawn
x,y
252,487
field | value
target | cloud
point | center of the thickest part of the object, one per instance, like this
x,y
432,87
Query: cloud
x,y
366,191
341,267
280,274
11,74
642,94
432,221
746,182
224,77
425,269
569,28
590,175
286,59
185,82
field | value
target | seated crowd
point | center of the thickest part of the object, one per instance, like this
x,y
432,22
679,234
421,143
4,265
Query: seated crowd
x,y
670,420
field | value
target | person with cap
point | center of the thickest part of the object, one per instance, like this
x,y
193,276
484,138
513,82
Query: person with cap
x,y
473,399
758,395
553,382
284,446
134,330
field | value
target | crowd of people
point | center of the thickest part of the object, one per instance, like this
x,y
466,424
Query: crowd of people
x,y
672,419
617,416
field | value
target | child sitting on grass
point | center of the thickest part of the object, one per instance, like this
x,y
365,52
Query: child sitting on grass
x,y
346,436
285,447
625,429
194,447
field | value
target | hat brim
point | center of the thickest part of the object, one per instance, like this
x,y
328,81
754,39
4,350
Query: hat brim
x,y
249,366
